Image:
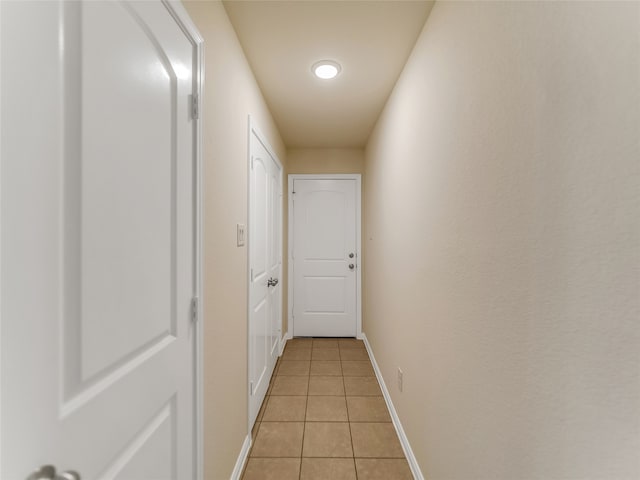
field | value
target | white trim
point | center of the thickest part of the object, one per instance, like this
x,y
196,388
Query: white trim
x,y
348,176
242,458
181,16
283,342
404,441
247,245
2,114
253,129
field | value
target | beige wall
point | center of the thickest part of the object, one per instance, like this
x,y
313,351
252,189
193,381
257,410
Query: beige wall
x,y
503,241
325,160
230,95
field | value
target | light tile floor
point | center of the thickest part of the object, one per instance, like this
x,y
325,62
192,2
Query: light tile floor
x,y
324,418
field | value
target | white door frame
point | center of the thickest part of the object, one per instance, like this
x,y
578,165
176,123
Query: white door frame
x,y
253,129
179,13
348,176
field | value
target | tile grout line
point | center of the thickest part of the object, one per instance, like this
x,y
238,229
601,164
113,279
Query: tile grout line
x,y
304,423
353,450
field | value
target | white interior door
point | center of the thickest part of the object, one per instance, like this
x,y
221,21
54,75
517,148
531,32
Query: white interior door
x,y
265,290
98,240
324,257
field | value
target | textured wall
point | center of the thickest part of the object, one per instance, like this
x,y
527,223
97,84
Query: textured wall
x,y
503,241
230,95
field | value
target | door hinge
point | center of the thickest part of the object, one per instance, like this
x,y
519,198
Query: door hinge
x,y
195,108
194,309
252,274
251,162
251,388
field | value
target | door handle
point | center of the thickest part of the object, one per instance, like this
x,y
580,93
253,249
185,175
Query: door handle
x,y
272,282
351,266
48,472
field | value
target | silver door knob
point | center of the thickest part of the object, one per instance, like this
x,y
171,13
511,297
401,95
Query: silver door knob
x,y
351,255
45,472
48,472
351,266
272,282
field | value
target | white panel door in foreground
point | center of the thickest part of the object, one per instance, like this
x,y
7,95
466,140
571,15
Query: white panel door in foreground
x,y
98,235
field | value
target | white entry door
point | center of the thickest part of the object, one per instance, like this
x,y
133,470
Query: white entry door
x,y
324,255
265,286
98,223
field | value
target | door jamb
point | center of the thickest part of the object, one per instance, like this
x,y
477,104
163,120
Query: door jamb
x,y
349,176
183,19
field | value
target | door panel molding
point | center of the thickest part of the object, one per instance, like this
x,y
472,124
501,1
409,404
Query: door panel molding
x,y
164,419
358,185
90,159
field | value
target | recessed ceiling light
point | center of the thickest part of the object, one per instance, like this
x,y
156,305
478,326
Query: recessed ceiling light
x,y
326,69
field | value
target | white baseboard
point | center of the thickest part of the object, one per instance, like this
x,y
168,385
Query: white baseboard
x,y
413,463
242,459
283,341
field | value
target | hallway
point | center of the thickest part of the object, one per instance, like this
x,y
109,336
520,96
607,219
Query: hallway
x,y
324,417
497,253
500,233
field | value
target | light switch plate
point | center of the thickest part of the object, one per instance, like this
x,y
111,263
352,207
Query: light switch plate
x,y
241,233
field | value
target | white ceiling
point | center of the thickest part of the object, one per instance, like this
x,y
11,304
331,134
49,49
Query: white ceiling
x,y
371,39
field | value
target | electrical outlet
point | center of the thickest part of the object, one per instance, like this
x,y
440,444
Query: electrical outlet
x,y
399,379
